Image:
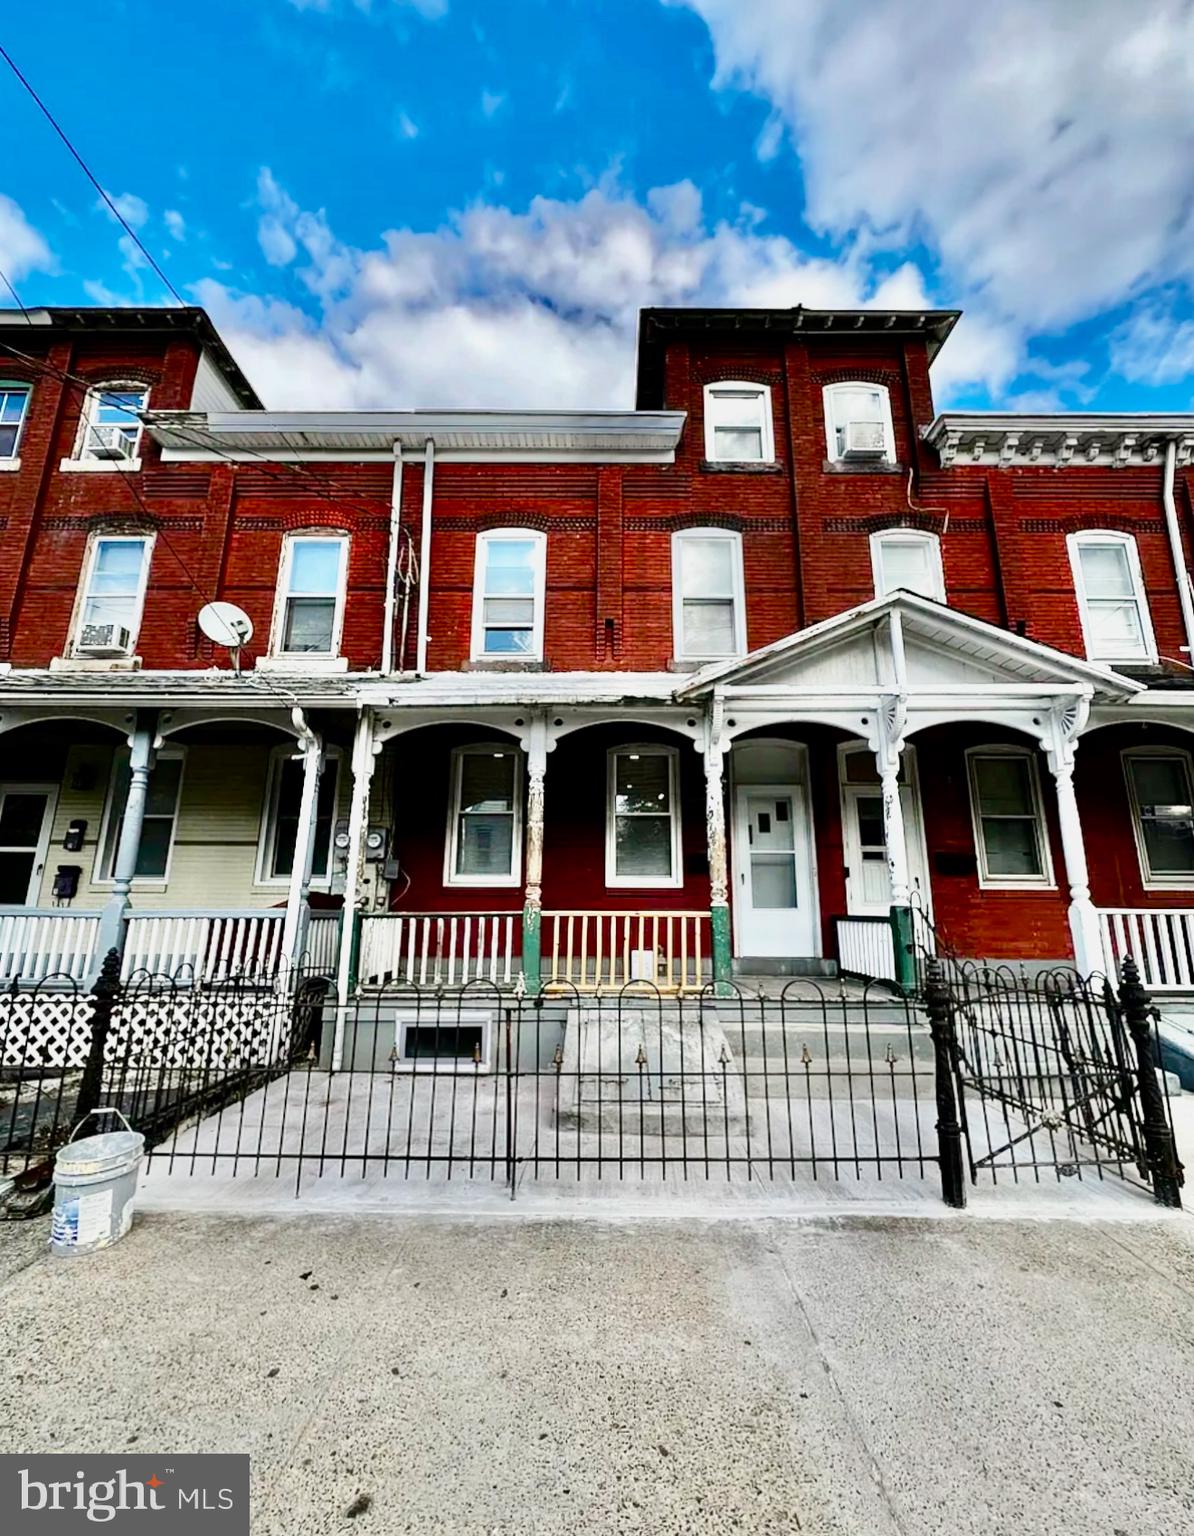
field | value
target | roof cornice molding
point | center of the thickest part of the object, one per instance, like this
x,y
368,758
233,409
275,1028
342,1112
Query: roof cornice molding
x,y
1065,440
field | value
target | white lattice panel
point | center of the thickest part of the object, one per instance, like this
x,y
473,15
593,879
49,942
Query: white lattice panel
x,y
203,1032
44,1029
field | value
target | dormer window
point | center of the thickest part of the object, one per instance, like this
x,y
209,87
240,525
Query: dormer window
x,y
904,559
858,426
738,427
1111,597
110,427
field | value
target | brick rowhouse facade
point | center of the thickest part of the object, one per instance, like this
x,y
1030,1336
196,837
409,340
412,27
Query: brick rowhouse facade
x,y
1001,496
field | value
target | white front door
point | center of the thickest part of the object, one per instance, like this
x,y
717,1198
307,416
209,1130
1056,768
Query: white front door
x,y
775,899
868,883
26,815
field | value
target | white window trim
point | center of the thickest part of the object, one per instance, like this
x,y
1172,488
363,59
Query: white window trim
x,y
1094,536
477,651
767,440
147,540
830,392
451,841
79,462
737,594
907,536
140,882
267,836
987,881
1149,880
613,880
282,593
12,461
449,1019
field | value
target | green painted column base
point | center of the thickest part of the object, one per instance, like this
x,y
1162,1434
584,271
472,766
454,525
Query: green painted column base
x,y
903,947
532,973
723,964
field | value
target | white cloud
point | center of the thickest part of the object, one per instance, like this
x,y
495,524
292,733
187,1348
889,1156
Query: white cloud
x,y
1044,149
507,308
22,248
404,126
492,102
429,8
1153,347
132,209
175,224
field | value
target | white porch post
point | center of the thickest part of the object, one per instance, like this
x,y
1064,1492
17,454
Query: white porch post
x,y
297,922
888,747
1067,719
364,757
532,902
142,743
716,747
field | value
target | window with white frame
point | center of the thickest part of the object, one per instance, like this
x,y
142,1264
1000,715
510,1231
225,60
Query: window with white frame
x,y
508,585
1009,826
1161,789
485,816
642,846
284,794
738,426
311,595
113,594
110,427
1111,597
903,559
858,423
708,609
14,403
161,815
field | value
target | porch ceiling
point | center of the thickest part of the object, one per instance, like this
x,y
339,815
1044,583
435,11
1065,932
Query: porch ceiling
x,y
936,649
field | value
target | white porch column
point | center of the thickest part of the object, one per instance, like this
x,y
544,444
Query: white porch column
x,y
142,743
888,746
364,758
532,901
294,930
716,747
1067,719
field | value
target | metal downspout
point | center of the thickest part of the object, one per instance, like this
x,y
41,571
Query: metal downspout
x,y
1175,548
387,637
425,556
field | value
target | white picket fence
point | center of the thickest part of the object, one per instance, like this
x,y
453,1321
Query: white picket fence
x,y
1159,939
437,949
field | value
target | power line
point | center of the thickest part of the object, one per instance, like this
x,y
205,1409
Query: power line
x,y
4,278
86,169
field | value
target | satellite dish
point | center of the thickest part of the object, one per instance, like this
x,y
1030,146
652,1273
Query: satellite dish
x,y
226,624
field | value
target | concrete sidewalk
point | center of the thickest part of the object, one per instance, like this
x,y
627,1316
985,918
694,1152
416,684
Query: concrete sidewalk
x,y
529,1376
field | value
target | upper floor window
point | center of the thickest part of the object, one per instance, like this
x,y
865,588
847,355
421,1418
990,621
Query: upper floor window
x,y
110,427
1111,598
160,821
485,816
311,595
858,423
508,585
708,611
738,425
283,802
14,402
905,559
113,594
1009,825
1159,784
642,844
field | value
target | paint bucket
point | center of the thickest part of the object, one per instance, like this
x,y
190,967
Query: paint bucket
x,y
95,1181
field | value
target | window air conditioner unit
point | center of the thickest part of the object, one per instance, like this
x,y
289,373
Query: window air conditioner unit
x,y
117,450
105,640
110,443
865,440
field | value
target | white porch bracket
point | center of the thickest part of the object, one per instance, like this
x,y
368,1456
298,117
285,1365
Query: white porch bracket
x,y
1067,719
295,926
364,759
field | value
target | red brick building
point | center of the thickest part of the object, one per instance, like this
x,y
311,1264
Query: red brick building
x,y
746,679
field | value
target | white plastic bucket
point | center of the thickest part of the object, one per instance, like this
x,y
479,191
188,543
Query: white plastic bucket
x,y
95,1182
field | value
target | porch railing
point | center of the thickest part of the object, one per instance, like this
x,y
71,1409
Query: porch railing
x,y
322,951
1160,939
36,942
437,949
865,947
602,951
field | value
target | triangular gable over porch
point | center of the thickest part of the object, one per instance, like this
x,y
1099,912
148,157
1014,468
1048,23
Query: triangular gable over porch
x,y
912,645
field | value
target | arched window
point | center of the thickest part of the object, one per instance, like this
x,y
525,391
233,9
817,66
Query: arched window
x,y
1111,597
508,590
110,426
858,423
907,559
708,607
738,426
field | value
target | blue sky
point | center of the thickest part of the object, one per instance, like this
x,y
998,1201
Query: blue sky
x,y
422,202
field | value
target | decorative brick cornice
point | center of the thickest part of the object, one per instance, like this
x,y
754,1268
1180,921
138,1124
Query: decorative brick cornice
x,y
887,378
516,517
881,522
733,522
1113,521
